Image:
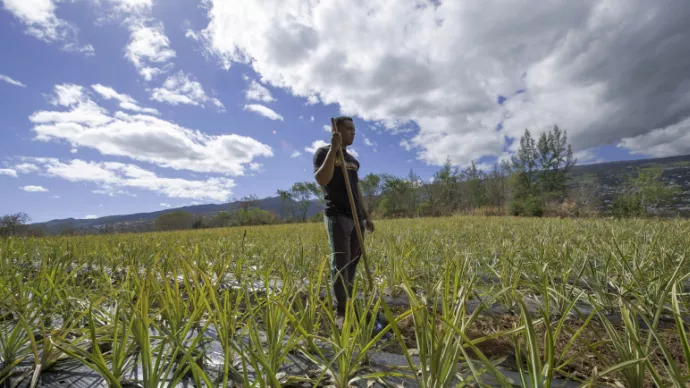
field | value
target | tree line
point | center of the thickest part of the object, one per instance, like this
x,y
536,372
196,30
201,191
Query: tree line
x,y
536,181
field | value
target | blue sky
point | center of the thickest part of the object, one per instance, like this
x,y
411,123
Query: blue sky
x,y
120,106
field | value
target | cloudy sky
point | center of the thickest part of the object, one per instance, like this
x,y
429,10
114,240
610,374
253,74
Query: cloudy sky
x,y
120,106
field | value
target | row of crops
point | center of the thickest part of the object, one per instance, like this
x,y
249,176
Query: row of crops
x,y
498,301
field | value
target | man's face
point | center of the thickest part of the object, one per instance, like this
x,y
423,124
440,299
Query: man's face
x,y
347,131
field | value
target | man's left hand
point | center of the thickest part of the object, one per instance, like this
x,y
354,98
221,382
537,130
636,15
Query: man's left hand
x,y
369,224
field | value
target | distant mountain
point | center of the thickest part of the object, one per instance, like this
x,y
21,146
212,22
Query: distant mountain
x,y
143,221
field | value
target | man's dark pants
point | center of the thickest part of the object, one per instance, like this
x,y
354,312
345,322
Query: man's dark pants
x,y
345,253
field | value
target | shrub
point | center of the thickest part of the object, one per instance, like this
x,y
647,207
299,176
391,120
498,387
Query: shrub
x,y
530,206
628,205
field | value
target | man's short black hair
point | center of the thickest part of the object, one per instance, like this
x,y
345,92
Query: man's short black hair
x,y
339,120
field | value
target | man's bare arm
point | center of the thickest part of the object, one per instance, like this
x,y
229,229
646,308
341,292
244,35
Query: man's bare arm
x,y
325,173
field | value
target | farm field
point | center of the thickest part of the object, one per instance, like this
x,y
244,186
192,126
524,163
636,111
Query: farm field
x,y
472,301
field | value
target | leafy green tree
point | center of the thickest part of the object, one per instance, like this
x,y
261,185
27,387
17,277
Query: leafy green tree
x,y
433,198
316,192
474,181
198,223
414,196
496,186
540,171
249,201
554,160
221,219
524,170
371,186
397,194
652,190
524,166
628,205
448,180
303,193
13,224
253,216
286,204
644,194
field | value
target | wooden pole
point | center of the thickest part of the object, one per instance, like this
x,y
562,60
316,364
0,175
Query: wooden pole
x,y
355,216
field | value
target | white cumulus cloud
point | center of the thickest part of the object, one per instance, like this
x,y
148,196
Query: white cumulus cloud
x,y
661,142
312,99
34,189
316,144
370,143
258,92
166,205
132,6
180,88
26,168
149,48
603,70
264,111
41,22
115,178
8,171
126,101
68,95
295,154
142,137
588,156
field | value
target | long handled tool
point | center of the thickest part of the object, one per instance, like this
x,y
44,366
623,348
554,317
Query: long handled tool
x,y
343,166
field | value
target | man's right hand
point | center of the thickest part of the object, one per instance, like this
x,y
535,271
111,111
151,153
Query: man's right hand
x,y
336,140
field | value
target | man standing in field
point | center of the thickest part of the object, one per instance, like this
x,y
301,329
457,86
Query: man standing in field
x,y
340,225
